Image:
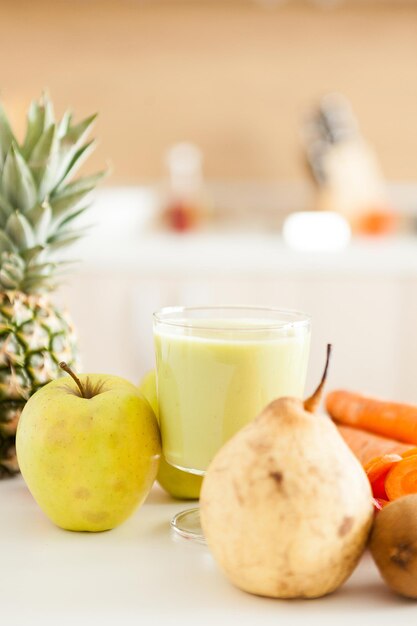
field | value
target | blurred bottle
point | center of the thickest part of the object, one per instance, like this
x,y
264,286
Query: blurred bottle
x,y
345,168
185,203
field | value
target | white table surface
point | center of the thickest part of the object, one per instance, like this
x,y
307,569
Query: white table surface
x,y
126,239
141,574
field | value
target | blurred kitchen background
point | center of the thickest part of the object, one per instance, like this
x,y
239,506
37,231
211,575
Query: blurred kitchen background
x,y
260,152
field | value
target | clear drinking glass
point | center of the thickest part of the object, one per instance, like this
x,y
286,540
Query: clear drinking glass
x,y
217,368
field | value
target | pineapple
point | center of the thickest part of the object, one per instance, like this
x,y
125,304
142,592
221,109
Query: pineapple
x,y
39,202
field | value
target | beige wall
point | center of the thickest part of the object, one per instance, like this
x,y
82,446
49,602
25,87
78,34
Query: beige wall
x,y
230,75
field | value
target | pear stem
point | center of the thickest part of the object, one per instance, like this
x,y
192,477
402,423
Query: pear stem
x,y
312,403
69,371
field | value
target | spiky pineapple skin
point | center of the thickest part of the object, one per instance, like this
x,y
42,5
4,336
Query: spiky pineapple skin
x,y
35,336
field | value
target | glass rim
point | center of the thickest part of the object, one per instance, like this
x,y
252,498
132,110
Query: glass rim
x,y
300,319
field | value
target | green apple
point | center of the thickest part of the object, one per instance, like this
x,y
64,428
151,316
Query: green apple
x,y
88,448
177,483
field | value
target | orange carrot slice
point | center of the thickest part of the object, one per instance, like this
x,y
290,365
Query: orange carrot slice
x,y
377,470
402,478
411,452
375,466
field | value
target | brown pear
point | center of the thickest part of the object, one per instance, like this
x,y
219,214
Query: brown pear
x,y
286,508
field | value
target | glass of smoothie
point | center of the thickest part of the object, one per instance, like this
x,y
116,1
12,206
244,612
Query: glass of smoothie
x,y
217,369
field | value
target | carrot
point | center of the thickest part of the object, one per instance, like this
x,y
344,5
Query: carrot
x,y
401,480
367,446
380,465
411,452
377,470
389,419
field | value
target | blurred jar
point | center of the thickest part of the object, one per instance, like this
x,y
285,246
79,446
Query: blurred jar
x,y
185,201
355,187
346,169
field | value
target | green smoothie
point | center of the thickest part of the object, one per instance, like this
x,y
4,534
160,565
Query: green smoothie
x,y
214,376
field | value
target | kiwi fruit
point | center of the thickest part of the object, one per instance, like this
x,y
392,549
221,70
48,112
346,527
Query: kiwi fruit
x,y
393,544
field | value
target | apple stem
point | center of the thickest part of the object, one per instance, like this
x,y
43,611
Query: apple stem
x,y
69,371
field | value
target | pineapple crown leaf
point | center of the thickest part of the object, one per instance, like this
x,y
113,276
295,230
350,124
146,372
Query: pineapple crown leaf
x,y
6,135
37,284
72,215
64,242
6,281
65,235
44,160
64,124
67,200
71,142
77,160
12,270
67,203
17,273
19,231
5,205
31,254
6,209
75,135
17,181
14,266
6,245
34,128
44,273
40,217
40,117
39,200
86,184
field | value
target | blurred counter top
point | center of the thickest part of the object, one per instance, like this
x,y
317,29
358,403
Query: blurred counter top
x,y
257,253
124,237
